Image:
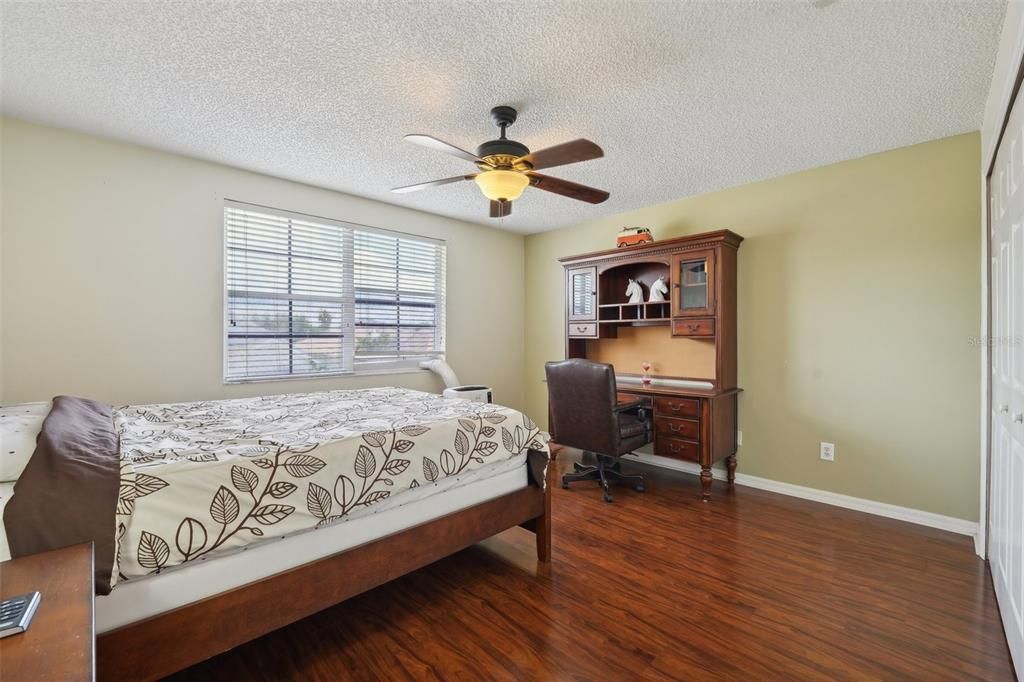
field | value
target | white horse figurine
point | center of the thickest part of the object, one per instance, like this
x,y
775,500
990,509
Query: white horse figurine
x,y
658,291
635,293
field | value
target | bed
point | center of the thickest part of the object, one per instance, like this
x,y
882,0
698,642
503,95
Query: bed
x,y
355,488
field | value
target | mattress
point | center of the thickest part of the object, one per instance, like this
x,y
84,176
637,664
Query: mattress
x,y
204,478
142,598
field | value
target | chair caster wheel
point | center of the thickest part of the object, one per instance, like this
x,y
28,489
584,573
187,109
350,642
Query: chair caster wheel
x,y
640,488
565,485
607,498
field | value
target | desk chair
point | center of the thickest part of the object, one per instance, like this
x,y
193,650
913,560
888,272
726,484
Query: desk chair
x,y
585,415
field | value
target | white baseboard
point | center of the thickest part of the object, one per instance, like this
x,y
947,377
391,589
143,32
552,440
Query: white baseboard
x,y
892,511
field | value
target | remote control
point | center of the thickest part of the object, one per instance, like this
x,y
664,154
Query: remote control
x,y
16,613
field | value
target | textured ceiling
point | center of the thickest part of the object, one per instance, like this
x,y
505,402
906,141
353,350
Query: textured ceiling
x,y
684,97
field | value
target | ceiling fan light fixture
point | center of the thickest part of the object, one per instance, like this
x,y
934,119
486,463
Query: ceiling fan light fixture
x,y
502,185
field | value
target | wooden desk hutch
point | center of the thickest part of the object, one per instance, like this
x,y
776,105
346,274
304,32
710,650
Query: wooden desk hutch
x,y
690,337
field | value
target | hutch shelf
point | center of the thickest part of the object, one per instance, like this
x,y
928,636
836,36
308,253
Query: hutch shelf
x,y
690,339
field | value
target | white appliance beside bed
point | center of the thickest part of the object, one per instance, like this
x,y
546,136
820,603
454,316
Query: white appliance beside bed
x,y
142,597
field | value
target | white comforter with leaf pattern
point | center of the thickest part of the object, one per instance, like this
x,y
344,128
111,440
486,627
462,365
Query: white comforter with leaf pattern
x,y
205,477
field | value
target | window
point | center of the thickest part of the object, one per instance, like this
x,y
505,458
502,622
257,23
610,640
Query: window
x,y
308,296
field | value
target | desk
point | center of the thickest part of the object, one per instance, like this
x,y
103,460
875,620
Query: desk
x,y
691,336
693,425
60,642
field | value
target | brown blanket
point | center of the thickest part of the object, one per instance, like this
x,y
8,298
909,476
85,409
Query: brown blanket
x,y
68,492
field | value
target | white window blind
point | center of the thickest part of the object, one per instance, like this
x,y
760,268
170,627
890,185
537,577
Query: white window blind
x,y
309,296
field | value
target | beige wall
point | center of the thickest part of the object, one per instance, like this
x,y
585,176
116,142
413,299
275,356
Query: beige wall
x,y
858,297
112,274
859,289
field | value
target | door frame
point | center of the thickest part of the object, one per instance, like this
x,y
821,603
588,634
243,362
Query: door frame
x,y
1007,78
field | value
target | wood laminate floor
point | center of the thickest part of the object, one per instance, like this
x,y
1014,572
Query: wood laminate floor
x,y
752,586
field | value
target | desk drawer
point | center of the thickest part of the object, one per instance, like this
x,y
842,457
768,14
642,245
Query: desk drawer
x,y
677,407
677,449
697,326
633,397
677,428
586,330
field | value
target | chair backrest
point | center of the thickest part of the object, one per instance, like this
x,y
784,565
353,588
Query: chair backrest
x,y
581,400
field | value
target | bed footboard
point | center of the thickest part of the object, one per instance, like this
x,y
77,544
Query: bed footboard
x,y
543,474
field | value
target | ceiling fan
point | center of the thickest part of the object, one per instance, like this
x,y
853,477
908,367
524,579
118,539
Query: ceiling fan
x,y
508,167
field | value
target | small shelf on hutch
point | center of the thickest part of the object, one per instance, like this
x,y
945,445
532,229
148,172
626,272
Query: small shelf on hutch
x,y
636,314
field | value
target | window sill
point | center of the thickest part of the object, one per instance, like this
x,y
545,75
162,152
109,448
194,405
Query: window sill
x,y
333,375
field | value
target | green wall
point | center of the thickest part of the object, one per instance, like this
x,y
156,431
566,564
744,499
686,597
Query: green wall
x,y
859,295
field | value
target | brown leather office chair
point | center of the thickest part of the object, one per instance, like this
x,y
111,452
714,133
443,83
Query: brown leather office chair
x,y
585,414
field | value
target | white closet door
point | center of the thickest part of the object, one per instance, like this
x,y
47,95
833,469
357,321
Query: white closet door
x,y
1006,494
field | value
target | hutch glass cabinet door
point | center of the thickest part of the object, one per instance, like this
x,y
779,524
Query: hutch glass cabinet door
x,y
582,297
693,292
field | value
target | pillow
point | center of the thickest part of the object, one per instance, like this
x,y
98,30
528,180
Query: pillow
x,y
19,426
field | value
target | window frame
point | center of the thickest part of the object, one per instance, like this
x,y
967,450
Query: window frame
x,y
351,365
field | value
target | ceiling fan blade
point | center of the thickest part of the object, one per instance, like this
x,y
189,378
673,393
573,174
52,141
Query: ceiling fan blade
x,y
567,189
561,154
442,146
500,209
433,183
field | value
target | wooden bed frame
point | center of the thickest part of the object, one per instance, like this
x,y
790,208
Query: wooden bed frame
x,y
169,642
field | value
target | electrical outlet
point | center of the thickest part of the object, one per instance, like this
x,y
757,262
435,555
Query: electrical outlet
x,y
739,438
828,451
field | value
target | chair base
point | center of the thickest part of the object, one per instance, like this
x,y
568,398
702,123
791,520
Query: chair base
x,y
607,468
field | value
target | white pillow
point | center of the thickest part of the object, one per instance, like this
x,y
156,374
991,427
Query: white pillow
x,y
19,426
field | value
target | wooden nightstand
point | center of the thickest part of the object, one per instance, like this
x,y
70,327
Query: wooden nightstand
x,y
60,642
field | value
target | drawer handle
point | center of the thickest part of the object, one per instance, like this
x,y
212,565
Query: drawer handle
x,y
674,428
673,448
1003,409
675,407
693,327
1019,417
